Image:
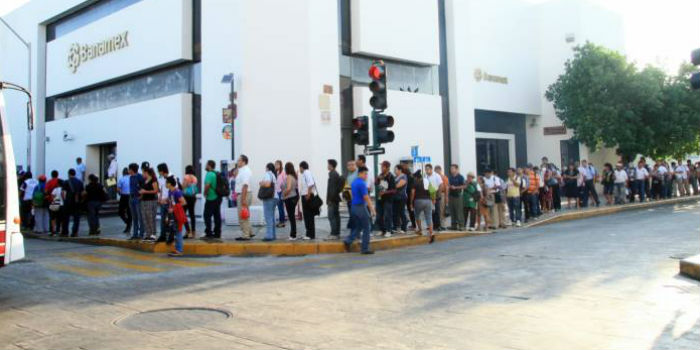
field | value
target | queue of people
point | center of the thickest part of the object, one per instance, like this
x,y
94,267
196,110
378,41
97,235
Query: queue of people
x,y
416,201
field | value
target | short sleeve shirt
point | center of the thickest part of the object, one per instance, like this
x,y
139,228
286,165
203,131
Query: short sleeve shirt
x,y
456,181
359,191
210,180
175,196
243,179
307,180
123,185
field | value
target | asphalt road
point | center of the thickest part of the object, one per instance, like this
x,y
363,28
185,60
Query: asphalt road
x,y
609,282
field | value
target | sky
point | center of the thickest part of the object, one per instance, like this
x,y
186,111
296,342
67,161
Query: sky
x,y
658,32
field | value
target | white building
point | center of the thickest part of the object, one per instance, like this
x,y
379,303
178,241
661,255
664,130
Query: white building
x,y
143,78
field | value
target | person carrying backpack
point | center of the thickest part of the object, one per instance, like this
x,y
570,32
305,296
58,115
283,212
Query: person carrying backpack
x,y
41,211
213,194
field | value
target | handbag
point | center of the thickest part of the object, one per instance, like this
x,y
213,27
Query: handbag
x,y
316,203
267,192
111,182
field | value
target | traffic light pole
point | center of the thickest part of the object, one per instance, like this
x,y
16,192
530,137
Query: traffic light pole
x,y
375,156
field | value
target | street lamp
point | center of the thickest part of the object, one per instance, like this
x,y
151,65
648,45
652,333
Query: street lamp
x,y
30,123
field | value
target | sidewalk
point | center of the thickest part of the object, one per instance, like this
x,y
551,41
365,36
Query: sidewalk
x,y
113,226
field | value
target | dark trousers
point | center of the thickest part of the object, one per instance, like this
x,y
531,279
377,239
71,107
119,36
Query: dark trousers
x,y
124,211
212,210
638,189
436,215
71,211
56,218
532,205
470,216
280,208
309,222
138,230
399,211
525,203
385,215
589,190
26,214
411,213
93,212
556,197
191,224
334,218
351,222
291,204
164,229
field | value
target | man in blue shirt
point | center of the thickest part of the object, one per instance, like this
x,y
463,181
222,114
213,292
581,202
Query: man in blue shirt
x,y
359,211
135,183
124,189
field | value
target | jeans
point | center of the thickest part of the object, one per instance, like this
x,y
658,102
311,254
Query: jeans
x,y
41,219
362,220
456,212
291,205
619,193
399,209
136,218
534,204
71,211
280,207
514,209
334,218
163,220
269,206
93,212
179,241
124,211
385,215
212,210
556,197
639,189
350,224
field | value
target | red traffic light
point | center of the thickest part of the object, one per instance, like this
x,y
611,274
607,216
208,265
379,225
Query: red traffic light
x,y
376,72
360,123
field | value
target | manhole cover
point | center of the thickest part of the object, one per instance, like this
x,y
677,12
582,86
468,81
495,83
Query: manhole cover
x,y
176,319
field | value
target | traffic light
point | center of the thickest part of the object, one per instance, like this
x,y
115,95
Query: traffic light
x,y
382,134
360,127
377,72
695,78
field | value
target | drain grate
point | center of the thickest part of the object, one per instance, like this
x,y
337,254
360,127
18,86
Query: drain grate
x,y
174,319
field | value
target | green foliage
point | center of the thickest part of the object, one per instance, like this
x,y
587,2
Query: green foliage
x,y
608,102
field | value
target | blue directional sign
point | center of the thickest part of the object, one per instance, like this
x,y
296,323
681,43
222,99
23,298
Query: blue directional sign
x,y
414,151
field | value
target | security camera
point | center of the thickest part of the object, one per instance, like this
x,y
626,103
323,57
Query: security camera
x,y
67,137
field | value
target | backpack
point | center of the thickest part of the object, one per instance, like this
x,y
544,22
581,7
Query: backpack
x,y
38,197
476,195
222,187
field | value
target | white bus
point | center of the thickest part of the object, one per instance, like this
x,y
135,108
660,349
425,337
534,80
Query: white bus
x,y
11,239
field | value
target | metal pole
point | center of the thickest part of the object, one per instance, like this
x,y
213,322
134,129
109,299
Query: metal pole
x,y
233,138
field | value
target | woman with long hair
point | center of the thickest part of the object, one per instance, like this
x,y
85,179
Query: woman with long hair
x,y
268,183
190,190
279,187
571,189
149,203
290,196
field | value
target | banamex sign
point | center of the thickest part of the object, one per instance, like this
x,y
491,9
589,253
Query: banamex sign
x,y
79,54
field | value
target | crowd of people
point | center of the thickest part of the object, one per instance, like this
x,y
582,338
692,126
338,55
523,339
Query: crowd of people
x,y
408,199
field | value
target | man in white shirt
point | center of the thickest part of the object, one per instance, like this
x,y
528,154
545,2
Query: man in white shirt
x,y
435,180
589,173
111,180
493,185
243,196
620,184
307,193
26,191
681,178
640,178
80,169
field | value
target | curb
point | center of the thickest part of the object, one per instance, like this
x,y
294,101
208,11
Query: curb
x,y
283,248
690,267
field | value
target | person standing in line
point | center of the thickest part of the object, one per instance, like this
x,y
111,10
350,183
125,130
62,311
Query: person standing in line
x,y
95,196
73,203
485,202
54,215
385,211
436,186
269,181
111,180
290,195
553,183
362,210
400,200
40,204
80,169
493,191
335,187
456,186
640,179
533,192
351,168
442,197
308,191
470,201
56,208
514,188
163,200
279,187
589,174
135,186
423,204
692,178
682,176
409,205
26,192
190,189
243,197
621,180
176,215
608,182
571,190
149,203
212,203
124,189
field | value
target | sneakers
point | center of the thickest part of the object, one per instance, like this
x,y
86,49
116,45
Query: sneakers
x,y
387,235
307,238
292,238
175,253
368,252
332,238
471,229
518,224
243,238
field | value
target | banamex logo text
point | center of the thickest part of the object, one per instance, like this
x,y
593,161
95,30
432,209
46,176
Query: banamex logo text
x,y
79,54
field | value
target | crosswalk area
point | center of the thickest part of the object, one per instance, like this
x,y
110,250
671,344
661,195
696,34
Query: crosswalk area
x,y
108,262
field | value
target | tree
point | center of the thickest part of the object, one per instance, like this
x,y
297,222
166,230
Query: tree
x,y
608,102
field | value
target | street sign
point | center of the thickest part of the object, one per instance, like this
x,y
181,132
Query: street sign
x,y
374,151
414,151
421,159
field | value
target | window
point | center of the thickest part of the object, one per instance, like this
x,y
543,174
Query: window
x,y
141,88
84,16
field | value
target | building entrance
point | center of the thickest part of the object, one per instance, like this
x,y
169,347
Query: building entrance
x,y
492,154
